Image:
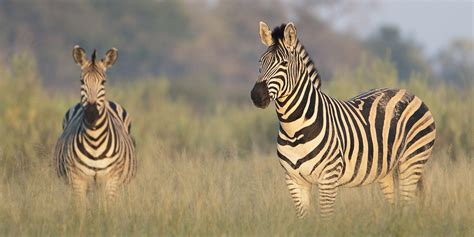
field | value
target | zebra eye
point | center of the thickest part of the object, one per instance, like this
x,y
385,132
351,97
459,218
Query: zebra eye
x,y
102,82
284,63
82,81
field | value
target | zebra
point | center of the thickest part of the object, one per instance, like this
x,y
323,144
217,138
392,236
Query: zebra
x,y
96,146
333,143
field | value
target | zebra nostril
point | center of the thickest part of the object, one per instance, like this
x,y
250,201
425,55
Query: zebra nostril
x,y
90,106
260,95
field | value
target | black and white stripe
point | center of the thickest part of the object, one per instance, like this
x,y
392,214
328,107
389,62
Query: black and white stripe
x,y
335,143
96,145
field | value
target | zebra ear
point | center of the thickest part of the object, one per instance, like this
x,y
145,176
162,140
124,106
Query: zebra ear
x,y
290,35
110,57
79,55
265,34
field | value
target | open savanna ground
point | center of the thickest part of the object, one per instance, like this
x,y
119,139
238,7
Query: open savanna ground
x,y
208,166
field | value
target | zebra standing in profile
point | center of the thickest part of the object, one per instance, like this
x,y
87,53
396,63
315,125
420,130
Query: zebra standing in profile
x,y
335,143
96,145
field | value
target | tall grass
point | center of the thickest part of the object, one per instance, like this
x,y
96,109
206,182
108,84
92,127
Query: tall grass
x,y
187,194
216,173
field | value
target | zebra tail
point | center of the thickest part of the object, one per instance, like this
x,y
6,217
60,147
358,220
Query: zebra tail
x,y
421,189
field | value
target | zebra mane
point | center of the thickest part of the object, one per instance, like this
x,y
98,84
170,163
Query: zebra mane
x,y
93,56
94,68
314,72
278,33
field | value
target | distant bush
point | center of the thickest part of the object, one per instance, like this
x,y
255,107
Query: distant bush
x,y
29,118
181,124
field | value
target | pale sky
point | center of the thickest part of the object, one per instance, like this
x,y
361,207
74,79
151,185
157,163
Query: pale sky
x,y
433,24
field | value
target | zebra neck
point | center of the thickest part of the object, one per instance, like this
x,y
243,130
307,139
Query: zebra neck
x,y
300,110
303,108
306,91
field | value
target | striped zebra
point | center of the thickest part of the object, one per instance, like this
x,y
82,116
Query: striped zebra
x,y
96,145
335,143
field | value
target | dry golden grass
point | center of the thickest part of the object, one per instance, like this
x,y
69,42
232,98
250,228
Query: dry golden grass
x,y
204,195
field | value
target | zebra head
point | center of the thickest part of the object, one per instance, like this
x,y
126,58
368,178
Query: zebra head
x,y
93,80
280,65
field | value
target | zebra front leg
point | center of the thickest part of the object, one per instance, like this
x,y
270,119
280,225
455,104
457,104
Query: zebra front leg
x,y
111,187
80,185
328,184
327,198
300,192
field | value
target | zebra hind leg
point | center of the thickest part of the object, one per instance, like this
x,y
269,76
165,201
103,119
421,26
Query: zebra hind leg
x,y
387,185
410,171
301,194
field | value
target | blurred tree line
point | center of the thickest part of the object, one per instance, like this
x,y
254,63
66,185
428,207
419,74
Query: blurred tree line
x,y
404,53
184,39
453,64
214,41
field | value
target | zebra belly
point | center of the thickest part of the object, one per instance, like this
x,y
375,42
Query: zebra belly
x,y
364,173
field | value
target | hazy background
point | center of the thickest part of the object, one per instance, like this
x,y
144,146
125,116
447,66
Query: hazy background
x,y
207,161
442,21
218,40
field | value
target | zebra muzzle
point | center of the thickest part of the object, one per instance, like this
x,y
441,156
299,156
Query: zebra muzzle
x,y
260,95
91,113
